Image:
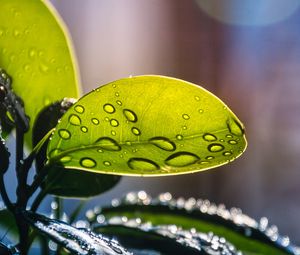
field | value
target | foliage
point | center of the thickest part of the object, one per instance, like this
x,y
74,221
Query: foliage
x,y
140,126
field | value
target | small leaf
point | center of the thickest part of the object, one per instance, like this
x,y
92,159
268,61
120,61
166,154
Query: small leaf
x,y
243,232
147,125
78,241
36,51
66,182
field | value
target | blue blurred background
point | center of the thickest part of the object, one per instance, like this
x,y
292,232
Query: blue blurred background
x,y
246,52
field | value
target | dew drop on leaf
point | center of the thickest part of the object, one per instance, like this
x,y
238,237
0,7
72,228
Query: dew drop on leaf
x,y
119,102
64,134
181,159
130,115
109,108
163,143
114,123
229,136
215,147
113,132
84,129
210,157
117,94
88,162
95,121
79,109
200,111
197,98
142,164
185,116
106,163
179,137
108,144
234,127
136,131
65,159
232,142
227,153
209,137
74,120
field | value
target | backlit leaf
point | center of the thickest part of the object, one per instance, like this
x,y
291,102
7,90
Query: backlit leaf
x,y
59,182
36,52
147,125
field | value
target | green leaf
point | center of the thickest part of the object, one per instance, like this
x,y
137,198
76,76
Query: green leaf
x,y
237,228
36,52
78,241
59,182
8,224
147,125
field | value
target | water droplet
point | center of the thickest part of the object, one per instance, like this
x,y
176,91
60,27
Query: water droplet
x,y
65,159
234,127
130,115
184,127
109,144
222,140
109,108
142,164
181,159
79,108
227,153
27,68
106,163
163,143
113,132
106,119
179,137
119,102
117,94
32,53
209,137
88,162
43,68
17,33
135,131
232,142
95,121
200,111
74,120
204,162
215,147
128,143
229,136
64,134
114,123
114,85
100,151
197,98
185,116
210,157
84,129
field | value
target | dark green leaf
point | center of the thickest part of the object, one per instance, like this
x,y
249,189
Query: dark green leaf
x,y
36,51
147,125
78,241
243,232
8,224
60,181
165,239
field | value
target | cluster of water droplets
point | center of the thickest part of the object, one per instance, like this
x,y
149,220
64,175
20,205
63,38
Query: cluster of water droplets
x,y
234,218
77,240
219,150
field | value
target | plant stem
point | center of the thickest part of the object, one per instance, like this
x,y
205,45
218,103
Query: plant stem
x,y
4,195
38,200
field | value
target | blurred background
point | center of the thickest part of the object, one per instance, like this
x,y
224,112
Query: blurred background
x,y
246,52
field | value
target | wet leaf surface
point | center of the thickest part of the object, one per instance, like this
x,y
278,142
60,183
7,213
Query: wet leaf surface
x,y
147,125
77,241
36,52
60,181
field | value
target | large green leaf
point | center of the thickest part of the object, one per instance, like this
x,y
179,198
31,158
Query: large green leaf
x,y
147,125
36,52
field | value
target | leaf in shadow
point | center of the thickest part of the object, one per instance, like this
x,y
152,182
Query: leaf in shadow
x,y
77,241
